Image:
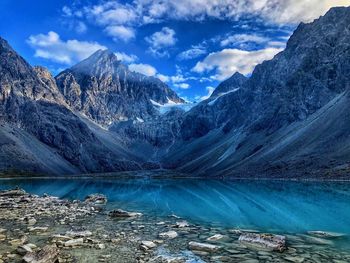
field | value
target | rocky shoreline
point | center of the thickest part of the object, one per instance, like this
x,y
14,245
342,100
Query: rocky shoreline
x,y
45,229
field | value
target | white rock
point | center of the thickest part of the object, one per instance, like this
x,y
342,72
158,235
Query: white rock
x,y
170,234
215,237
74,242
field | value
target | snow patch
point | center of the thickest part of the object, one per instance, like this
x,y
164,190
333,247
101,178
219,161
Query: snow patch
x,y
220,95
164,108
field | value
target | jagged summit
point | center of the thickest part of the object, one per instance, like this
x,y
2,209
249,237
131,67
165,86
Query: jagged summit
x,y
99,63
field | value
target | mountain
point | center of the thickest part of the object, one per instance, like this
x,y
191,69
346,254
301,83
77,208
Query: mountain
x,y
39,132
288,119
106,91
274,123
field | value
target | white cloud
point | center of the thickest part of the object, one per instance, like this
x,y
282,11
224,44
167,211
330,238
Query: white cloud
x,y
144,69
163,78
243,38
120,20
80,27
192,53
229,61
160,40
182,86
120,32
53,48
125,57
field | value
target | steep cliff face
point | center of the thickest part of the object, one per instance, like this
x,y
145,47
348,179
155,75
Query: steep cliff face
x,y
104,89
298,83
32,107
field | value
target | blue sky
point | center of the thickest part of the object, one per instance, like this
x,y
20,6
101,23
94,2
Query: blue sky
x,y
192,45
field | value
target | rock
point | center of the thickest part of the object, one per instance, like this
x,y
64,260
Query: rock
x,y
75,234
74,242
2,237
38,229
98,199
30,221
17,242
170,234
203,247
215,237
48,254
119,213
100,246
24,249
182,224
295,259
13,193
148,244
324,234
266,241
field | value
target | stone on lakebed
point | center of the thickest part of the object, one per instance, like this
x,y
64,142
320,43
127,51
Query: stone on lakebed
x,y
265,241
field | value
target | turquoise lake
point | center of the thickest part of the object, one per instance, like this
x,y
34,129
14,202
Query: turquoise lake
x,y
272,206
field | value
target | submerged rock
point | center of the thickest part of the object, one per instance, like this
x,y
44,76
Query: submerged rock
x,y
325,234
98,199
215,237
145,245
203,247
170,234
267,241
75,234
12,193
182,224
48,254
119,213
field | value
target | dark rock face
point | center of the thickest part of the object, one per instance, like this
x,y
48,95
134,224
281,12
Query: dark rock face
x,y
106,91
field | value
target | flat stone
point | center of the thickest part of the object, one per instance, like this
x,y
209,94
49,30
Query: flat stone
x,y
182,224
324,234
24,249
215,237
148,244
265,241
48,254
74,242
170,234
203,247
119,213
295,259
74,234
12,193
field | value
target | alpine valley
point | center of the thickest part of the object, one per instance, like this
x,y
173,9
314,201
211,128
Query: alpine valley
x,y
289,119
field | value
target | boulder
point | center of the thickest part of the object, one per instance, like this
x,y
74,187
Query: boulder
x,y
98,199
203,247
74,242
325,234
48,254
265,241
12,193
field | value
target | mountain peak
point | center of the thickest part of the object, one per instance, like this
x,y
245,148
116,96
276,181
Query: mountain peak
x,y
99,63
233,82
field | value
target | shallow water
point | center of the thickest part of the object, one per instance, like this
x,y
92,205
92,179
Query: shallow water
x,y
278,206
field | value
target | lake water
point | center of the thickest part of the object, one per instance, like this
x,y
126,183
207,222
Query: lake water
x,y
277,206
